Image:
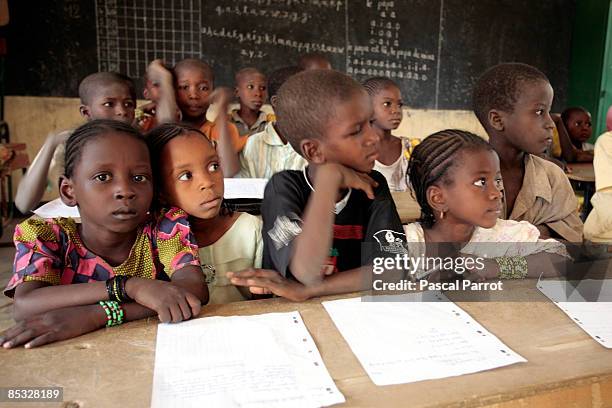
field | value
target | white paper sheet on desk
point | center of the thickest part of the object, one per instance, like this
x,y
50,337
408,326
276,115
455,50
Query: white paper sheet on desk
x,y
266,360
588,304
407,341
244,188
57,208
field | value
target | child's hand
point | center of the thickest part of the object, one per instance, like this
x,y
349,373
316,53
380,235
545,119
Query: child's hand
x,y
350,178
157,72
59,138
265,282
55,325
221,97
172,303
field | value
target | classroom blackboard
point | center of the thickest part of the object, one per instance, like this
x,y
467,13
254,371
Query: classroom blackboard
x,y
435,49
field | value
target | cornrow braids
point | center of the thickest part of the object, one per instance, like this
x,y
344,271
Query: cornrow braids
x,y
376,84
89,131
431,161
159,137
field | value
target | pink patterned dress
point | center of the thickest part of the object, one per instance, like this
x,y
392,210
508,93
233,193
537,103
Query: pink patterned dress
x,y
51,251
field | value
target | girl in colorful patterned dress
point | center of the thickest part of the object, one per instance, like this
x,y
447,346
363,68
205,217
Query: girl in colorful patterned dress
x,y
127,265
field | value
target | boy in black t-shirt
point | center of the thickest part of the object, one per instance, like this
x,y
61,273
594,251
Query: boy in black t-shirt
x,y
316,220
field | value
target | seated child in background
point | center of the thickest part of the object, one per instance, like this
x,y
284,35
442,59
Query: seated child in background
x,y
512,102
158,81
456,180
316,220
104,95
575,129
194,94
268,152
127,265
188,176
313,60
393,155
598,225
252,93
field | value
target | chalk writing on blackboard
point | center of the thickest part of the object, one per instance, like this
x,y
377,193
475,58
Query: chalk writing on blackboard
x,y
131,33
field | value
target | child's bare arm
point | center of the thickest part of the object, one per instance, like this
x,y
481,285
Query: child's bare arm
x,y
228,156
265,282
311,247
166,107
186,293
65,323
33,184
568,151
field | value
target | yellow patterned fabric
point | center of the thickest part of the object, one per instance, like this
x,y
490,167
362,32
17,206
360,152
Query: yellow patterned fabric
x,y
51,251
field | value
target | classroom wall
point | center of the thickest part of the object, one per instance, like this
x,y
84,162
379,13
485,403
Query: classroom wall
x,y
587,58
31,119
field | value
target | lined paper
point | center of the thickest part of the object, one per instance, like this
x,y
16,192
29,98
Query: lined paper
x,y
406,340
267,360
588,303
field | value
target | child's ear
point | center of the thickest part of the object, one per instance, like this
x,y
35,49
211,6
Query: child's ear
x,y
496,120
145,93
312,152
84,109
436,199
236,92
66,191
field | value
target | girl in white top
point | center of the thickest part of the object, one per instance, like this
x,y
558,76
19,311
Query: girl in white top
x,y
392,154
456,179
188,176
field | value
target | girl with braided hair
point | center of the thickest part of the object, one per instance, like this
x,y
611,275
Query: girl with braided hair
x,y
393,152
119,264
456,179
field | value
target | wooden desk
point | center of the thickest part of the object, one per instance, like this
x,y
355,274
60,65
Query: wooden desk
x,y
582,172
407,207
114,367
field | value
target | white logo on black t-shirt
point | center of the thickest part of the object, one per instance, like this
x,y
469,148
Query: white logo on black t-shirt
x,y
285,229
391,241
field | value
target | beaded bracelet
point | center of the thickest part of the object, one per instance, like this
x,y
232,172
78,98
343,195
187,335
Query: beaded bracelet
x,y
512,267
114,312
